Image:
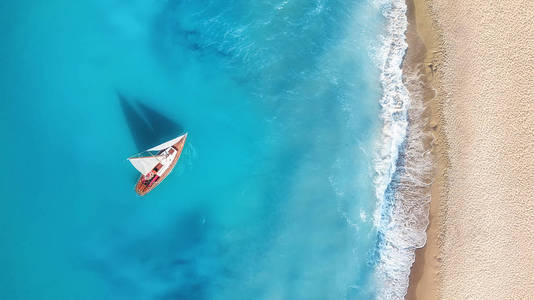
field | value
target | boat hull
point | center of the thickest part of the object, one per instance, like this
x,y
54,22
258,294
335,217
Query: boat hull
x,y
141,189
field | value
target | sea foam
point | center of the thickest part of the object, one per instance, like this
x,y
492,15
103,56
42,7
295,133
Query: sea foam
x,y
402,162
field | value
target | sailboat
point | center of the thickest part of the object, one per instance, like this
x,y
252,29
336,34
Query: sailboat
x,y
156,166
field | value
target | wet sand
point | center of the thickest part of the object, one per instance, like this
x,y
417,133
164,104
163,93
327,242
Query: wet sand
x,y
422,58
479,56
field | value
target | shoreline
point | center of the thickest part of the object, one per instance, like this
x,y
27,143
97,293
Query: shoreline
x,y
422,58
405,174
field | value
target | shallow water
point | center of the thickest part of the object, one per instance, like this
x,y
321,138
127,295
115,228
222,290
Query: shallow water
x,y
273,197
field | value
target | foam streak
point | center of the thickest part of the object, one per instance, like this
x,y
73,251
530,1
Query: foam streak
x,y
402,163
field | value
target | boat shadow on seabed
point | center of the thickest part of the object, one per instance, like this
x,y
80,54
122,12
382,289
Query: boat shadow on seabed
x,y
147,126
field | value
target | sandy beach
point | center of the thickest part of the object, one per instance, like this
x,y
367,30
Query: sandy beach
x,y
479,57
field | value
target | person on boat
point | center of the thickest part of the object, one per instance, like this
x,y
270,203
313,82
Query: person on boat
x,y
149,176
155,177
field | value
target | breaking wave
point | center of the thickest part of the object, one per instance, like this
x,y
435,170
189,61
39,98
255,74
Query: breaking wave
x,y
402,163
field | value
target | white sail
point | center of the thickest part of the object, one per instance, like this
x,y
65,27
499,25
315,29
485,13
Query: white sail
x,y
145,164
167,144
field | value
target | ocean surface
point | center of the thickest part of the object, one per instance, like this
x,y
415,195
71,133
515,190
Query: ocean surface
x,y
297,120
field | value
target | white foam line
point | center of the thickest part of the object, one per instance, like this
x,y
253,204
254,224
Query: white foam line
x,y
402,213
395,99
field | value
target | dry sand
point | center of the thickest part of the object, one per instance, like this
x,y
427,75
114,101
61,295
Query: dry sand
x,y
481,234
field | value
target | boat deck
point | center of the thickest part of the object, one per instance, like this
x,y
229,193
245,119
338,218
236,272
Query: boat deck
x,y
141,189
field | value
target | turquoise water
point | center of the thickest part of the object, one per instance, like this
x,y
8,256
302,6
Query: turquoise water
x,y
275,193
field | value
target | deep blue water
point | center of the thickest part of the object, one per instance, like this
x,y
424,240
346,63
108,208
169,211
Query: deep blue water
x,y
273,197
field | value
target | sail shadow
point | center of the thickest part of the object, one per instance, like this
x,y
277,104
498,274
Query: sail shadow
x,y
163,127
147,126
